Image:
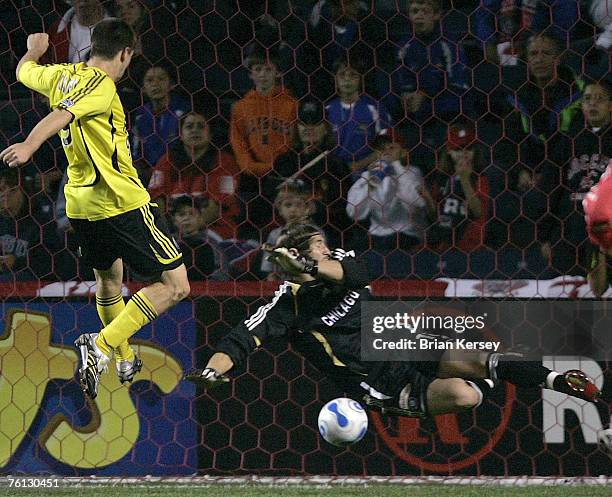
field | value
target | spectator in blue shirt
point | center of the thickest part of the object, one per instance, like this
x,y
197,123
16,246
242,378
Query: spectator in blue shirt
x,y
156,123
431,79
355,117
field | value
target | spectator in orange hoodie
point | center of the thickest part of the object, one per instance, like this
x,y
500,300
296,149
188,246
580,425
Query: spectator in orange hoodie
x,y
261,129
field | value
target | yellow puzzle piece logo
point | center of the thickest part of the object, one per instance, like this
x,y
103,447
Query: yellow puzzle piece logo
x,y
28,361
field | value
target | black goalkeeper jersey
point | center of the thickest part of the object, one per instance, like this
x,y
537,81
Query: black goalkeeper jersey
x,y
321,320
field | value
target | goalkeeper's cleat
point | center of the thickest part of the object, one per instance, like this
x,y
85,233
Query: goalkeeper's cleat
x,y
126,370
389,408
207,377
577,384
93,363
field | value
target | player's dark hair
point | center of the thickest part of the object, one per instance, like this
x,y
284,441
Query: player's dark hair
x,y
297,235
110,36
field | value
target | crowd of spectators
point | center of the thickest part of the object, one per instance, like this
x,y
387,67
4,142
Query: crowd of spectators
x,y
435,137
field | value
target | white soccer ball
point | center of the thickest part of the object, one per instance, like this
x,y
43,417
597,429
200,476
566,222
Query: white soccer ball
x,y
343,421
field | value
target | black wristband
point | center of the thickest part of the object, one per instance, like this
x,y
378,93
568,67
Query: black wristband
x,y
310,267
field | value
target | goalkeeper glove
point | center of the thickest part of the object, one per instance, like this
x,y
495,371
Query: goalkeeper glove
x,y
290,263
207,377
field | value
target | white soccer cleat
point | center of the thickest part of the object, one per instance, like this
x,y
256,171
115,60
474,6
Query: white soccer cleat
x,y
126,370
93,363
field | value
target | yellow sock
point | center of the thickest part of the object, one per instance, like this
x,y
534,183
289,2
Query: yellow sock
x,y
138,312
108,309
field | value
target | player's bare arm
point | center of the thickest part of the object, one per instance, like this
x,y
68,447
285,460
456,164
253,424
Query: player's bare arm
x,y
37,44
19,154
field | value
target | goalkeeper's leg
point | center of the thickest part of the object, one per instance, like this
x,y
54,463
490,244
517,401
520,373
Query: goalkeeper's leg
x,y
426,396
455,395
515,369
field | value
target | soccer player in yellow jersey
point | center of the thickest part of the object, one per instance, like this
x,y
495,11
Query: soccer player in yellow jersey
x,y
107,205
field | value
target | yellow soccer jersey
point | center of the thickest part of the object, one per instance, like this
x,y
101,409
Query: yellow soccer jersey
x,y
102,182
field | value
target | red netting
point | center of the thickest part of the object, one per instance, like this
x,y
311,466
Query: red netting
x,y
477,67
448,141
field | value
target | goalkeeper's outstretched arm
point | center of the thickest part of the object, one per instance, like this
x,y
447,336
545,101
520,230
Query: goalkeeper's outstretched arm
x,y
272,320
214,373
339,267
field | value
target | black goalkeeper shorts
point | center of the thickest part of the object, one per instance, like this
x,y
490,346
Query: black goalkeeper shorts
x,y
405,383
140,238
391,377
400,388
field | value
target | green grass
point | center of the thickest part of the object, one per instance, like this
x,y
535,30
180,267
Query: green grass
x,y
380,490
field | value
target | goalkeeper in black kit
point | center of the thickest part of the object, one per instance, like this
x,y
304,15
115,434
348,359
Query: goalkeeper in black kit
x,y
318,310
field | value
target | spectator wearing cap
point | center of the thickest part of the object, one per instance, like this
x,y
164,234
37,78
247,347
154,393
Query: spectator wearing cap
x,y
460,192
324,175
390,195
261,128
194,166
355,117
597,206
156,123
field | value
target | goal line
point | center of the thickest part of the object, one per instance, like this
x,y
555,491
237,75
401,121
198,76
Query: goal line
x,y
297,481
